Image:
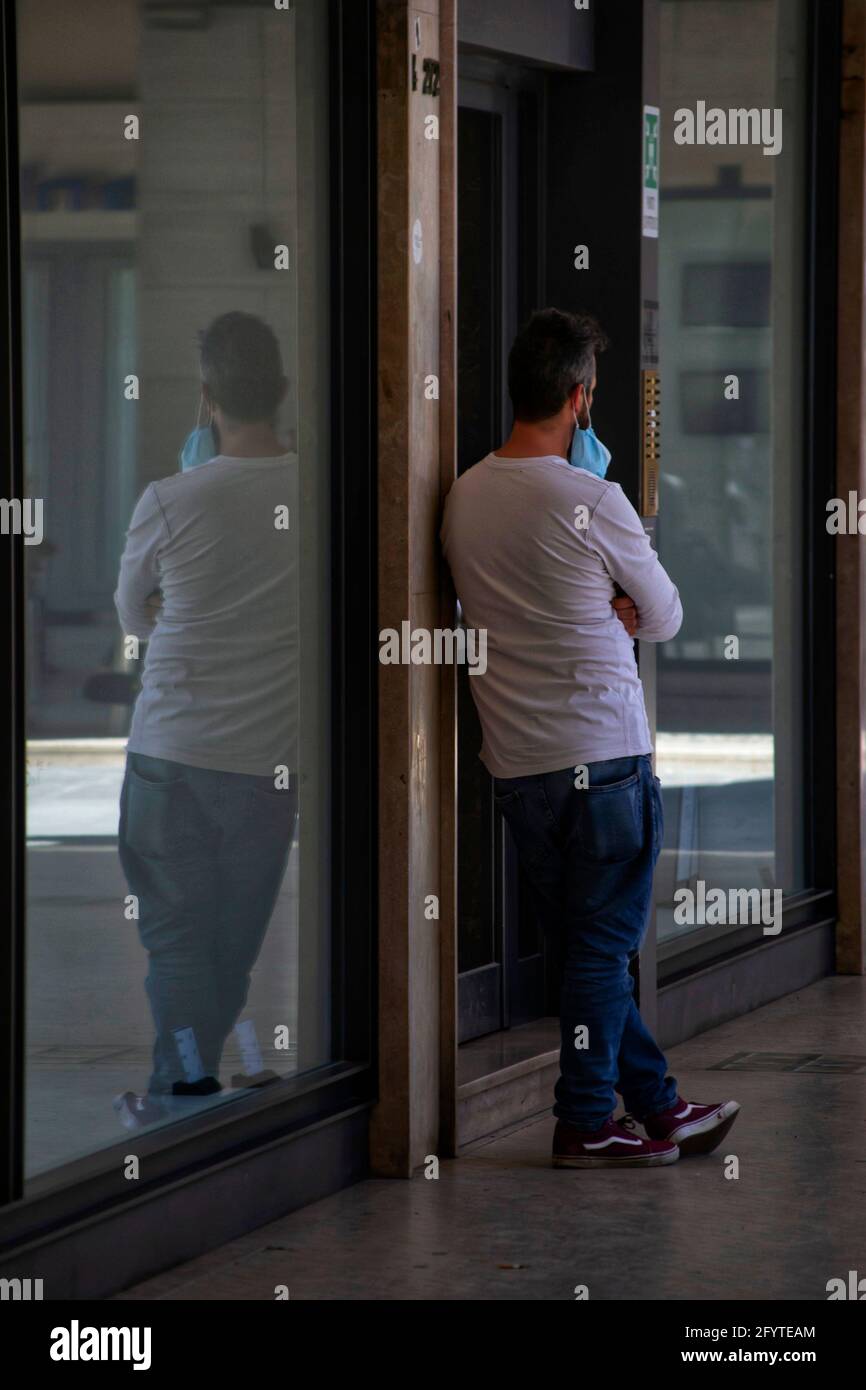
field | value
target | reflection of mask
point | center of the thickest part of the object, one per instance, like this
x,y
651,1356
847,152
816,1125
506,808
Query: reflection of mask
x,y
587,451
200,446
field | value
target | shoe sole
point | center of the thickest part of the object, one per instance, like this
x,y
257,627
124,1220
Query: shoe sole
x,y
702,1136
639,1161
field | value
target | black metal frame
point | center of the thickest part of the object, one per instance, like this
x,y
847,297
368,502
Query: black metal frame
x,y
87,1189
354,394
12,757
481,988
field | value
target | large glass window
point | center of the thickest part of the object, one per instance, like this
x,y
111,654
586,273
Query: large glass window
x,y
174,221
732,290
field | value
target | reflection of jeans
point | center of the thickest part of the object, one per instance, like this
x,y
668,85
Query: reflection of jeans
x,y
205,853
589,856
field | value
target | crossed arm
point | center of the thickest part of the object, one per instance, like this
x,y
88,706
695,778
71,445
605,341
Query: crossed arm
x,y
626,610
646,601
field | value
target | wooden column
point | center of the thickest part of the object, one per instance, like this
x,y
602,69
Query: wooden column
x,y
405,1124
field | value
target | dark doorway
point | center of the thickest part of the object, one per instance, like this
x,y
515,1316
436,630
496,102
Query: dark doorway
x,y
502,967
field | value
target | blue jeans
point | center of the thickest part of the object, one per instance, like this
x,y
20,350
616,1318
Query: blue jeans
x,y
205,853
589,856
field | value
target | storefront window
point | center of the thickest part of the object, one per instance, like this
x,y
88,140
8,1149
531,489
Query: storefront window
x,y
175,227
732,313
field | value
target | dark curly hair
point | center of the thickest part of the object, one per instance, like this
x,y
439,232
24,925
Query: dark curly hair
x,y
552,354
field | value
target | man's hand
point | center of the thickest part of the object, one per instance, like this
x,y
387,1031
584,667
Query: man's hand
x,y
624,608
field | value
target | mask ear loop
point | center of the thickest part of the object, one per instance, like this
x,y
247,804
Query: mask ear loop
x,y
209,420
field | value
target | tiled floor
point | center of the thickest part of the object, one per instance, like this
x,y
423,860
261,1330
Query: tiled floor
x,y
500,1223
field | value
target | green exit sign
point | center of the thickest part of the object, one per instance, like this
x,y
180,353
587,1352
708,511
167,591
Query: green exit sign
x,y
650,220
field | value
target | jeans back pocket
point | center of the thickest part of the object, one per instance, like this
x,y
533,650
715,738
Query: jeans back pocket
x,y
611,821
161,818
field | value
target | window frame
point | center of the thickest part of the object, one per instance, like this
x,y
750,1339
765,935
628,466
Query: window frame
x,y
84,1189
816,903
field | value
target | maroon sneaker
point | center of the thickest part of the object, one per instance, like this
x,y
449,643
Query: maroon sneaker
x,y
136,1112
697,1129
612,1146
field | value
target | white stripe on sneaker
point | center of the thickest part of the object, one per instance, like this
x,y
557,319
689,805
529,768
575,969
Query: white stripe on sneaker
x,y
614,1139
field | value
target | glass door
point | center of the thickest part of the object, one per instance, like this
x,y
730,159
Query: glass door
x,y
732,747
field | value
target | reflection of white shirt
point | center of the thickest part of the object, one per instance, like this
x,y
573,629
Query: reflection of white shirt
x,y
561,686
220,681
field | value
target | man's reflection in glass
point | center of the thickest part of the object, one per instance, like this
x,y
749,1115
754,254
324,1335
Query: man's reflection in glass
x,y
209,801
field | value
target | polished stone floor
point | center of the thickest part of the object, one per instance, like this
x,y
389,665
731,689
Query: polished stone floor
x,y
500,1223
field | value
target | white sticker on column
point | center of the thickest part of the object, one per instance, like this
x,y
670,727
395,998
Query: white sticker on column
x,y
417,242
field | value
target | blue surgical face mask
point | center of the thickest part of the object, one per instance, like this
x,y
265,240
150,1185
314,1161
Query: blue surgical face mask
x,y
200,446
587,451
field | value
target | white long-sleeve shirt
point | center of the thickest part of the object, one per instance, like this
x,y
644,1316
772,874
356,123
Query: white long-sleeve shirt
x,y
561,687
220,679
